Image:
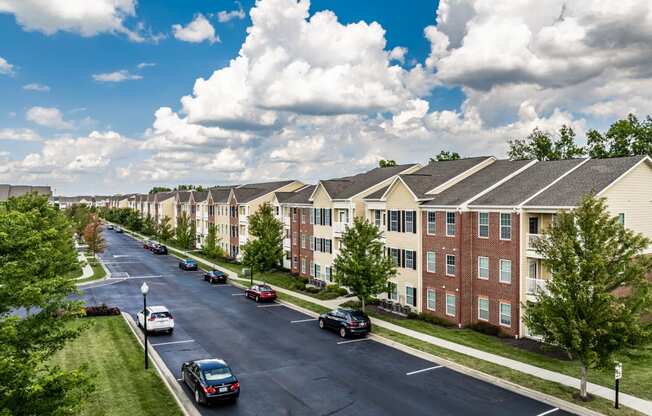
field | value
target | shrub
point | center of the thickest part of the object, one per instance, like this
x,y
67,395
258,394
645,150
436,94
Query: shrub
x,y
340,291
431,319
101,310
488,329
311,289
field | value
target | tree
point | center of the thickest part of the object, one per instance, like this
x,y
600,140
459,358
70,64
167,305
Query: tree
x,y
184,231
149,225
198,188
540,145
590,254
265,250
79,215
626,137
445,155
165,229
159,189
36,260
210,247
93,235
361,265
386,163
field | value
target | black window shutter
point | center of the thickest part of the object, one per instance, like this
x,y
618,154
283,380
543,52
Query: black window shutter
x,y
414,296
330,216
402,258
388,213
414,222
402,215
414,258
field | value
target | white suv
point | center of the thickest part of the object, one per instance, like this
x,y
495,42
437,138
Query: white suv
x,y
159,319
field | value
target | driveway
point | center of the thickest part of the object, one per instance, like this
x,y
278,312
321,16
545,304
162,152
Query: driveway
x,y
286,364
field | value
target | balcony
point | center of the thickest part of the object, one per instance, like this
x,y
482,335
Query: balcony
x,y
242,239
535,286
340,227
286,221
287,244
531,241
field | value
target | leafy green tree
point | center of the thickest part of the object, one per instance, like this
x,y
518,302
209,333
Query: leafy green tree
x,y
590,255
541,145
445,155
626,137
36,260
362,265
386,163
210,247
159,189
198,188
184,231
79,216
149,226
264,250
165,232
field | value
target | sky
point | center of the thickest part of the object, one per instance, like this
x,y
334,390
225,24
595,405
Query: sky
x,y
117,96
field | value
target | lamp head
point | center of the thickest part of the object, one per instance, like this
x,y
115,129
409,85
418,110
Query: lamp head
x,y
144,289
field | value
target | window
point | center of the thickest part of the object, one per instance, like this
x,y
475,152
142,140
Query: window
x,y
450,265
295,238
393,220
483,309
312,243
431,299
450,305
450,223
328,246
318,216
410,257
303,265
327,217
431,262
410,227
505,271
483,267
505,314
392,292
327,273
621,218
294,214
532,269
377,218
317,271
394,253
432,223
410,296
303,216
483,224
505,226
312,269
312,216
303,241
533,225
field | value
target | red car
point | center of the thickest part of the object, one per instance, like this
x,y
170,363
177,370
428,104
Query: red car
x,y
261,293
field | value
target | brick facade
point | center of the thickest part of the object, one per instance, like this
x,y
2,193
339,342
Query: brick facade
x,y
234,239
300,226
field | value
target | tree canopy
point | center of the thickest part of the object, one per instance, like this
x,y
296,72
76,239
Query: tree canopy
x,y
361,264
264,250
93,235
36,261
541,145
445,155
185,231
159,189
591,254
386,163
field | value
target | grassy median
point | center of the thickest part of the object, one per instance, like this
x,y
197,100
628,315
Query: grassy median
x,y
115,360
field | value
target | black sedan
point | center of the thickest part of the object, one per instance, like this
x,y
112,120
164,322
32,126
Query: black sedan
x,y
159,249
210,380
215,276
188,264
346,322
118,230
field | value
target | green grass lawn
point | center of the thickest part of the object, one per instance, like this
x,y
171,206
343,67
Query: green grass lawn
x,y
115,359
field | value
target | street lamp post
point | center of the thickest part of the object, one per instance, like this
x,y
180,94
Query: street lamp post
x,y
144,289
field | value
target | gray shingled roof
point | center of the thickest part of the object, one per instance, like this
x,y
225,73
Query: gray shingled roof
x,y
436,173
346,187
527,183
593,176
183,196
200,196
220,194
378,194
249,192
301,196
476,183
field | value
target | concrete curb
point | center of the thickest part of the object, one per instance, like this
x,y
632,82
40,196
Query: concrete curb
x,y
107,275
185,404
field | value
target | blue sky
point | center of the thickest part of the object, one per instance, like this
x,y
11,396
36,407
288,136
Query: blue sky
x,y
324,101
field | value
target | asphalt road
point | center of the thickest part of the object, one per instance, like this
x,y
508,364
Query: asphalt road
x,y
285,363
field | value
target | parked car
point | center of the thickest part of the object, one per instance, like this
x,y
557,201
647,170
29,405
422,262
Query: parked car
x,y
346,322
215,276
188,264
261,293
149,244
159,319
109,227
159,249
118,230
210,380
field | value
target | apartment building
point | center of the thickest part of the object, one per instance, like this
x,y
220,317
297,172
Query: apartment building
x,y
201,217
335,202
294,210
164,207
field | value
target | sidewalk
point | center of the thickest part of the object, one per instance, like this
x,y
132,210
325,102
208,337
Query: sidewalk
x,y
641,405
87,270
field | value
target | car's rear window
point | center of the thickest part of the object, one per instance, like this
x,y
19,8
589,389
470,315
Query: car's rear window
x,y
357,314
161,315
265,289
216,374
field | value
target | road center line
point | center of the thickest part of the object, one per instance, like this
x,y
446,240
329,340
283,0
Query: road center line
x,y
353,340
423,370
237,294
303,320
554,409
173,342
146,277
270,305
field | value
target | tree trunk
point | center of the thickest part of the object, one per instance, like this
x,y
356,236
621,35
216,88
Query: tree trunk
x,y
583,377
362,305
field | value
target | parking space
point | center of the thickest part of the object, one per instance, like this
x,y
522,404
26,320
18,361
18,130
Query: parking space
x,y
286,364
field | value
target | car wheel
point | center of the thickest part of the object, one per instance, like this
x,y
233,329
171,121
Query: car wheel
x,y
321,323
170,330
343,332
257,298
197,396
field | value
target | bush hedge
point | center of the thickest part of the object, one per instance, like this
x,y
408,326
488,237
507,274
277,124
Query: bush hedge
x,y
101,310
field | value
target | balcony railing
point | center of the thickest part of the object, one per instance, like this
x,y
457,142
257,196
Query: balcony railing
x,y
532,239
340,227
286,221
535,286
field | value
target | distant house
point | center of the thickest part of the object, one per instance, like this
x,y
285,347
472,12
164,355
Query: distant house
x,y
11,191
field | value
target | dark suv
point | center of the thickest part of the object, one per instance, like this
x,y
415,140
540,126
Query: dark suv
x,y
346,322
159,249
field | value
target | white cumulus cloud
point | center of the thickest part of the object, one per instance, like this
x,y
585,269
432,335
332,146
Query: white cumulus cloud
x,y
25,135
116,76
5,67
48,117
197,31
36,87
225,16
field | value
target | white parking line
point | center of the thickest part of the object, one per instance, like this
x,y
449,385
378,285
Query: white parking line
x,y
303,320
270,305
121,262
353,340
173,342
146,277
237,294
179,379
423,370
548,412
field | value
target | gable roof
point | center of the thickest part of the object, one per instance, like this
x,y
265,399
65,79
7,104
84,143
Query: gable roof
x,y
183,196
526,184
477,182
220,194
200,196
249,192
301,196
350,186
593,176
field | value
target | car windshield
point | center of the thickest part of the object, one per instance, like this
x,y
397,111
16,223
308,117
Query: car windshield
x,y
189,261
265,288
356,314
161,315
215,374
